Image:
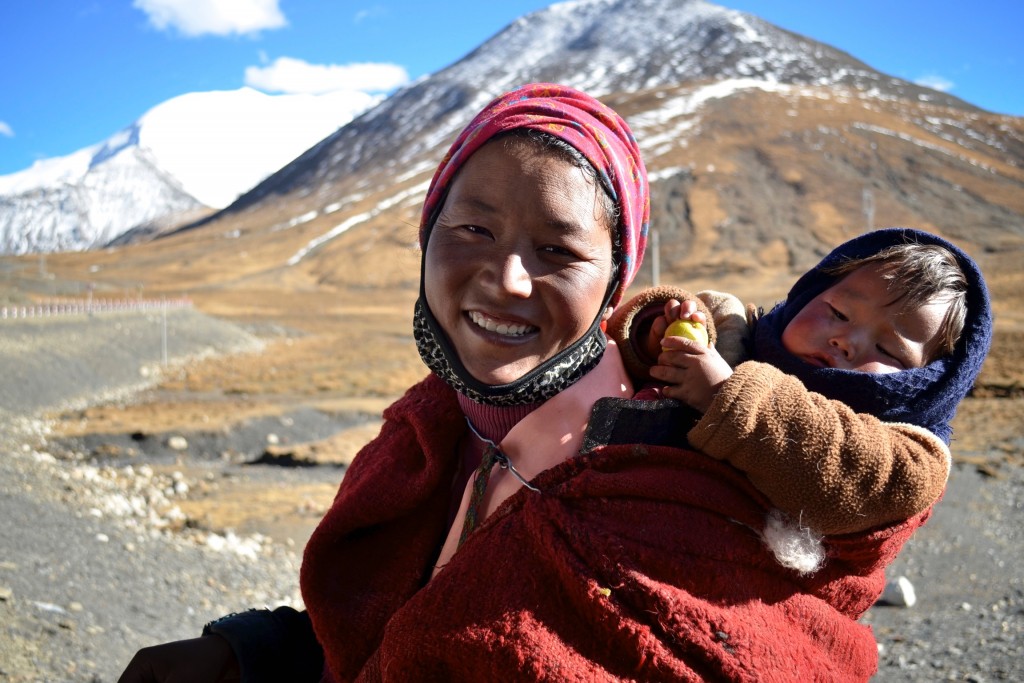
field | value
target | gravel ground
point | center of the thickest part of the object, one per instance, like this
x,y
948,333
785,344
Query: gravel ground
x,y
95,562
87,578
965,567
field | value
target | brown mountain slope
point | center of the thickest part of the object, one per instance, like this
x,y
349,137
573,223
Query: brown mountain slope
x,y
751,184
748,190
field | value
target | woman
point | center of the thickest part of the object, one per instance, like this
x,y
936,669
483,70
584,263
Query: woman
x,y
519,516
533,227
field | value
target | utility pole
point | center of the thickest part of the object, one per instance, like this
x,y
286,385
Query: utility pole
x,y
655,259
163,335
868,204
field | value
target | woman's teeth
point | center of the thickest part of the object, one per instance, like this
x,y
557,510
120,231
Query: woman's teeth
x,y
501,328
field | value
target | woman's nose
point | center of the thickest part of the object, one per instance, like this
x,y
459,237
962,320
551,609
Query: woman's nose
x,y
515,278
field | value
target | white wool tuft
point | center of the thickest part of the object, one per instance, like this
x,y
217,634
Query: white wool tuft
x,y
795,546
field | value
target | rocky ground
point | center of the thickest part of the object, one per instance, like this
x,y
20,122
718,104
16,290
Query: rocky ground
x,y
98,556
965,567
115,537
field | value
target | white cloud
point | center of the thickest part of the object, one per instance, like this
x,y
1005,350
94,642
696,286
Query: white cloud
x,y
370,13
6,130
217,17
935,82
290,75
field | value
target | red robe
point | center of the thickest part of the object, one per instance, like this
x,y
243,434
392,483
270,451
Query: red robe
x,y
636,561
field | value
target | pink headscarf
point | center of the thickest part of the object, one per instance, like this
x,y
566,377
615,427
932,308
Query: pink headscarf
x,y
593,129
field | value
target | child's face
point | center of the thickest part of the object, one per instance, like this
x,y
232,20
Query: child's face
x,y
855,325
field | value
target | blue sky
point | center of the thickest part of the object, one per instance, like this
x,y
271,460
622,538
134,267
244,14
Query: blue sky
x,y
74,72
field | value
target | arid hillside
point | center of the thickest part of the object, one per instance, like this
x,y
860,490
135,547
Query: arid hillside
x,y
748,190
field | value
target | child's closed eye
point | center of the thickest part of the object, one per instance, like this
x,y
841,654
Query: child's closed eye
x,y
899,361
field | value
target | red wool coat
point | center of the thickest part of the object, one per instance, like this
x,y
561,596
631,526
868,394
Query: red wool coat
x,y
636,561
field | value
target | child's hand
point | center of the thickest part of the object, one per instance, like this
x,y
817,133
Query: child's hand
x,y
674,310
692,372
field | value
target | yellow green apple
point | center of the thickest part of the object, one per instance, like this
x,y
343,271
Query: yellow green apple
x,y
688,330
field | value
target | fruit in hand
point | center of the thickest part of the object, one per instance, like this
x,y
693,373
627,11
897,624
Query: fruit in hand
x,y
688,330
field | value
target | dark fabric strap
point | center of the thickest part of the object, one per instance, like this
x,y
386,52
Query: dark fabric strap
x,y
618,421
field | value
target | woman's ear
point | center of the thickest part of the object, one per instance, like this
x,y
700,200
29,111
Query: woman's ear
x,y
607,314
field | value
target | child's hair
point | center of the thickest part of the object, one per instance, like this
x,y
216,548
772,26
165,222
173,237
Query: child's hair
x,y
924,273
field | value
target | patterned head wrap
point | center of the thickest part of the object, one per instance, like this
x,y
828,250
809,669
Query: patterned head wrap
x,y
604,139
926,396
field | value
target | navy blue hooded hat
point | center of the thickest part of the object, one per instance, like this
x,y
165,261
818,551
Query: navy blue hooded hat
x,y
927,397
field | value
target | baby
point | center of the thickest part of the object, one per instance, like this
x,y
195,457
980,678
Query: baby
x,y
841,414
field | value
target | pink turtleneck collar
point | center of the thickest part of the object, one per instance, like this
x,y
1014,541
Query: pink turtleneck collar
x,y
494,422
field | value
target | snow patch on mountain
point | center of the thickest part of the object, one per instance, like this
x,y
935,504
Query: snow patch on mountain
x,y
220,144
195,150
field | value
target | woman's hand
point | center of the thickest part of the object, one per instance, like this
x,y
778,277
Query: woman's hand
x,y
208,659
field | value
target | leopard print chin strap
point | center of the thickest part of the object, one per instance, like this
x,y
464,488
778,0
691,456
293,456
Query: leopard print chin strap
x,y
547,379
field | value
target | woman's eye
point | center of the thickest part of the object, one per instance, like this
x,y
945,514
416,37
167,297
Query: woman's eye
x,y
476,230
559,250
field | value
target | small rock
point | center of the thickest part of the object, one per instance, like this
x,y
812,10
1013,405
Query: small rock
x,y
899,593
5,593
50,607
273,439
177,443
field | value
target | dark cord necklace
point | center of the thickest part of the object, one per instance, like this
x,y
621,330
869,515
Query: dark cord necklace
x,y
492,455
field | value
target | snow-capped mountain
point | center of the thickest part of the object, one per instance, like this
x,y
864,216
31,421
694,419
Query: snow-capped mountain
x,y
764,148
176,154
601,47
193,152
